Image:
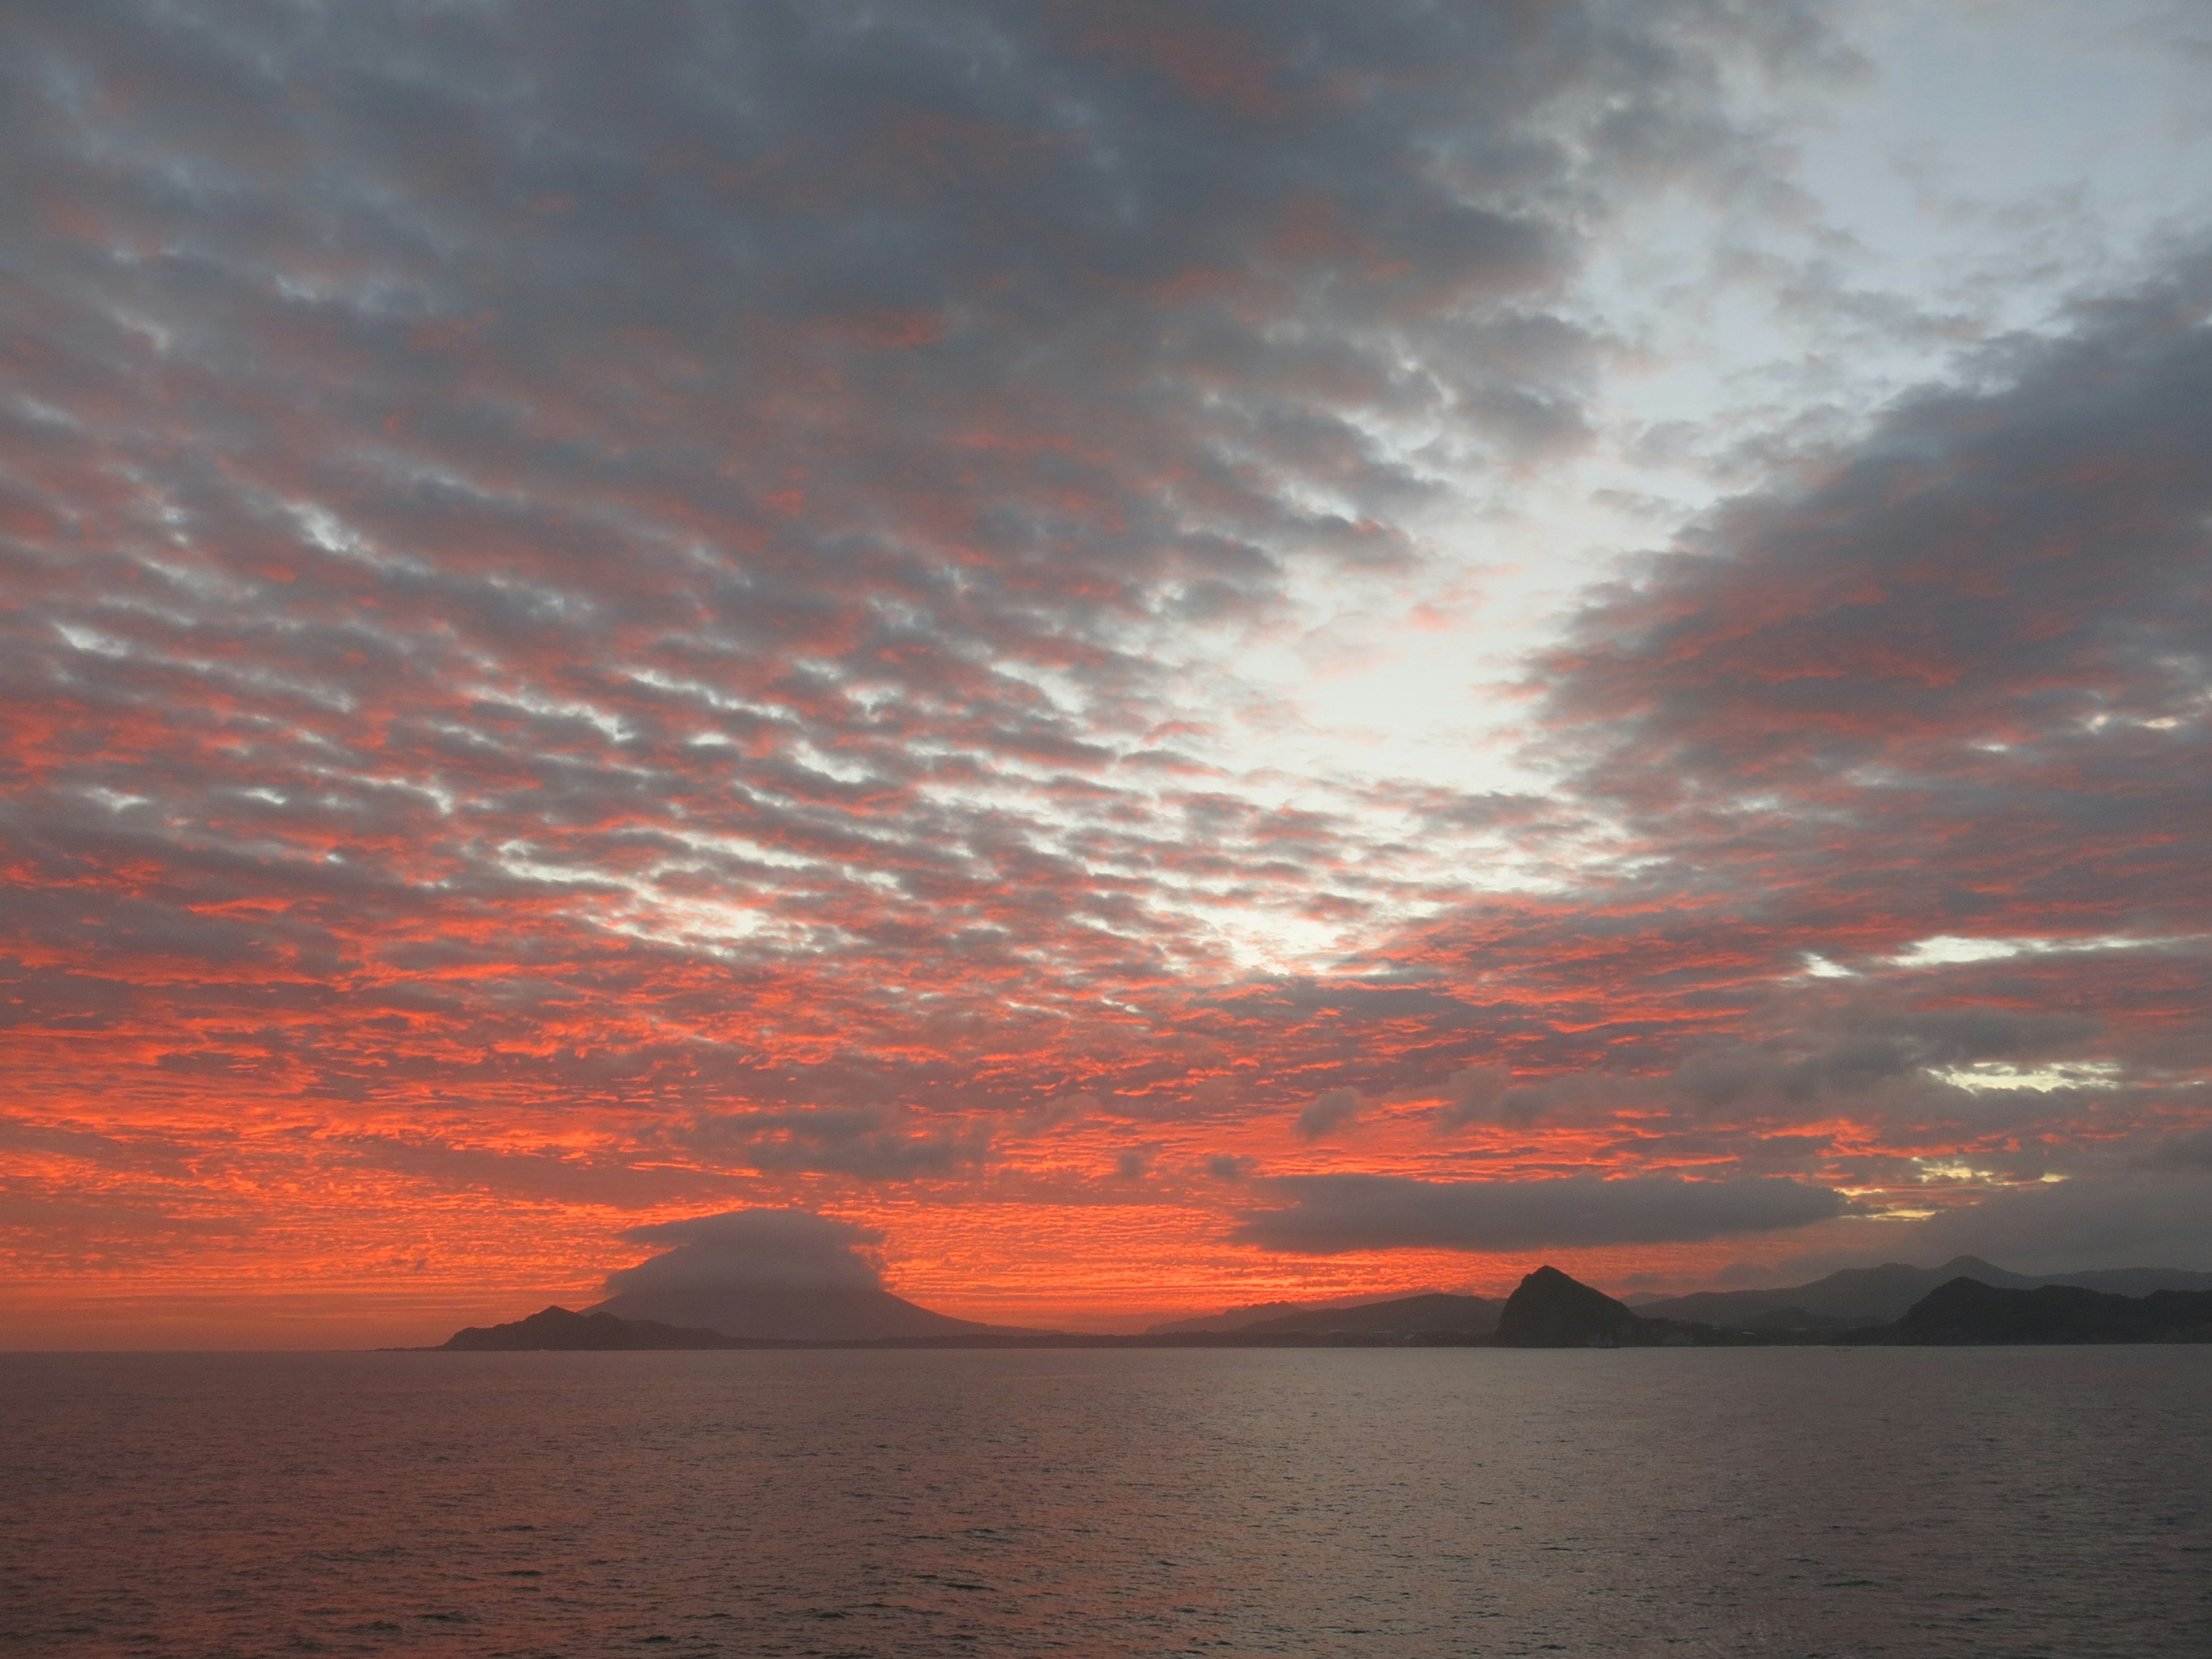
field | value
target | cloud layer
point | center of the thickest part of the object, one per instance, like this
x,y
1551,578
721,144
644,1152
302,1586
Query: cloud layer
x,y
776,524
613,613
1330,1214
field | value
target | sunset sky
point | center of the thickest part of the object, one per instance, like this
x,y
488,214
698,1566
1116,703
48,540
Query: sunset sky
x,y
1165,652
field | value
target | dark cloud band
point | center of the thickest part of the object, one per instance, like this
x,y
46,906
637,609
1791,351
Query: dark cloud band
x,y
1333,1214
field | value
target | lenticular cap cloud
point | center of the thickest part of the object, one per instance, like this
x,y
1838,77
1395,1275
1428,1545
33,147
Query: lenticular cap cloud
x,y
781,1274
755,1247
1333,1214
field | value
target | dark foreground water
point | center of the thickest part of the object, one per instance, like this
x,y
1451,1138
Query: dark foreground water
x,y
1761,1502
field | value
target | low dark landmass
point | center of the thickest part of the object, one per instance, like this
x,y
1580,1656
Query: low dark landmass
x,y
1857,1297
1289,1314
1966,1311
560,1328
1549,1309
808,1313
1436,1313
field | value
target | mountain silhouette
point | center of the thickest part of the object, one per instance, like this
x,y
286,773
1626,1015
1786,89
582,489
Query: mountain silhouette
x,y
1875,1296
819,1313
561,1329
1256,1313
1857,1295
1548,1309
1411,1316
1965,1310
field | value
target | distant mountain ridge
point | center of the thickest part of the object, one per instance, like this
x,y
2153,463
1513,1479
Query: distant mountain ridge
x,y
1411,1316
1551,1311
1888,1304
1547,1309
563,1330
1875,1296
1844,1300
1967,1311
1256,1313
806,1312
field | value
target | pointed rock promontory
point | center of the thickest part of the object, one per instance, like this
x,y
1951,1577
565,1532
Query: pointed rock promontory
x,y
1548,1309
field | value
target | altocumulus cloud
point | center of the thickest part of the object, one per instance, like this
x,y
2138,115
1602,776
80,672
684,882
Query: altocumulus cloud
x,y
1910,757
616,508
1332,1214
594,588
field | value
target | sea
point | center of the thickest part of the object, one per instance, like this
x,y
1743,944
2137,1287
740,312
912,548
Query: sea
x,y
1774,1503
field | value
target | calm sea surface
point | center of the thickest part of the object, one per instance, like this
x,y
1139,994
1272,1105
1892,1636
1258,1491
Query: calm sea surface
x,y
1763,1503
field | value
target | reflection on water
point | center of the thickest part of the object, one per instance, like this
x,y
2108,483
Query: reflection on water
x,y
1402,1503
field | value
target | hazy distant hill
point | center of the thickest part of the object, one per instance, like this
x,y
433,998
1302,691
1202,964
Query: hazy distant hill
x,y
1964,1311
1410,1315
1875,1296
2132,1281
832,1313
1861,1295
1255,1313
563,1330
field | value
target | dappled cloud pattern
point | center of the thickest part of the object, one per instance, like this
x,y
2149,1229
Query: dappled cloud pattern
x,y
615,613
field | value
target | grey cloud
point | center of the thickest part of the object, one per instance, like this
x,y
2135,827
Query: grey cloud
x,y
74,1231
1329,1111
1054,1113
542,1175
1333,1214
1894,1046
1946,677
2184,1152
2103,1219
764,1248
652,563
75,1142
521,394
1489,1093
1875,1060
2018,680
864,1143
1863,1051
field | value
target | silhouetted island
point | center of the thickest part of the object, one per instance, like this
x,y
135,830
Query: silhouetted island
x,y
563,1329
1551,1311
1547,1309
1436,1314
811,1313
1967,1311
1853,1297
1430,1311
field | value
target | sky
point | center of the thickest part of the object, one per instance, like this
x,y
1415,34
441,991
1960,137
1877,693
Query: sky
x,y
1153,655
